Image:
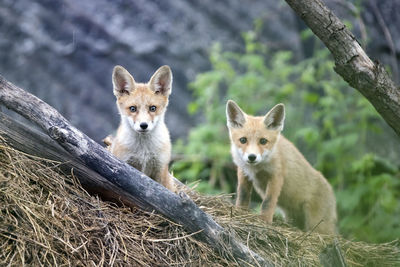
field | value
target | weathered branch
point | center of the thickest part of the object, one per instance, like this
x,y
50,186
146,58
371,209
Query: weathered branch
x,y
351,62
140,189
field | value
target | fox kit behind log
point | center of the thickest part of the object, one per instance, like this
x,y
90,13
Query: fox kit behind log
x,y
278,172
142,138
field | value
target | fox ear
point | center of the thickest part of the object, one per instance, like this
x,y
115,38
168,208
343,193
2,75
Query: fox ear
x,y
275,118
123,81
235,116
161,81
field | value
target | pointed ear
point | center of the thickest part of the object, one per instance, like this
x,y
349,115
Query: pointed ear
x,y
123,81
234,115
275,118
161,81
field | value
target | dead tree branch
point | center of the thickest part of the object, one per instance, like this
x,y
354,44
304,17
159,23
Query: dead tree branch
x,y
351,62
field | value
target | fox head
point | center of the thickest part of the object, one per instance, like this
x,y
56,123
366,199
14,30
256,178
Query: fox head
x,y
142,105
254,138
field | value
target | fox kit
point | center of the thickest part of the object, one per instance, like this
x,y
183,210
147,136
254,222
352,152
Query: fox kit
x,y
142,139
278,172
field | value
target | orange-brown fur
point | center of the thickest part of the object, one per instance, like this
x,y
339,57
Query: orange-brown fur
x,y
142,96
147,149
279,174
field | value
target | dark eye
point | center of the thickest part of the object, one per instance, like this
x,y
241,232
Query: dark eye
x,y
152,108
263,141
243,140
132,108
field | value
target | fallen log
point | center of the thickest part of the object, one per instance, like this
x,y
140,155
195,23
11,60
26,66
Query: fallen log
x,y
133,185
33,142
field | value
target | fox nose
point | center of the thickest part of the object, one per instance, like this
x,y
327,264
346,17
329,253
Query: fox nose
x,y
143,125
252,157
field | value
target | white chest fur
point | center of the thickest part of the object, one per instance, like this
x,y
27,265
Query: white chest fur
x,y
147,152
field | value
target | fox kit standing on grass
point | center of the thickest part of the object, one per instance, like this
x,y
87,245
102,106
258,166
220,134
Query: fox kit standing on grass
x,y
142,138
278,172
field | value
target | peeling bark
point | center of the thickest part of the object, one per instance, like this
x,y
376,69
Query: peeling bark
x,y
351,62
113,175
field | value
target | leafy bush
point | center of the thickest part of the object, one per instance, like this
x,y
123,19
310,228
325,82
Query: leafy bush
x,y
331,123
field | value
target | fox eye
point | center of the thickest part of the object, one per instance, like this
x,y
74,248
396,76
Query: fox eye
x,y
243,140
152,108
263,141
132,108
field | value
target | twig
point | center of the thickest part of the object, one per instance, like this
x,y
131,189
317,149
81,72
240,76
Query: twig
x,y
388,37
173,239
310,232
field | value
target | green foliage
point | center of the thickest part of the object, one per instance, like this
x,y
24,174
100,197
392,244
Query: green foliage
x,y
331,123
369,204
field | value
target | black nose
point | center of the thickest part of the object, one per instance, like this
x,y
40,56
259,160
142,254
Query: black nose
x,y
252,157
143,125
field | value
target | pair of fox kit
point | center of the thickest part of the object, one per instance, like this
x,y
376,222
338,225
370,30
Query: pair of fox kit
x,y
266,160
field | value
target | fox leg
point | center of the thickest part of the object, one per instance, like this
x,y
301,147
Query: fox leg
x,y
270,199
319,218
166,179
243,192
311,218
108,141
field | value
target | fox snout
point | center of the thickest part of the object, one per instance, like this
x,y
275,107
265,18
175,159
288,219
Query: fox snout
x,y
144,126
251,158
248,157
141,126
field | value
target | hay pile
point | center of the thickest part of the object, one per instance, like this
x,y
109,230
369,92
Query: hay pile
x,y
47,219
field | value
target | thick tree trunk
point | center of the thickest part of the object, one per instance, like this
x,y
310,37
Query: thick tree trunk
x,y
351,62
115,174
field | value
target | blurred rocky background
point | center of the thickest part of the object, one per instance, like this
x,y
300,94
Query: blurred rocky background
x,y
63,51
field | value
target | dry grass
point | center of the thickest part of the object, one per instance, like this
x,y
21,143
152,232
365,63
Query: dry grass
x,y
47,219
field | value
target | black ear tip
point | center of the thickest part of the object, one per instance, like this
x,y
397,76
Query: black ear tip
x,y
280,107
231,103
165,69
118,68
